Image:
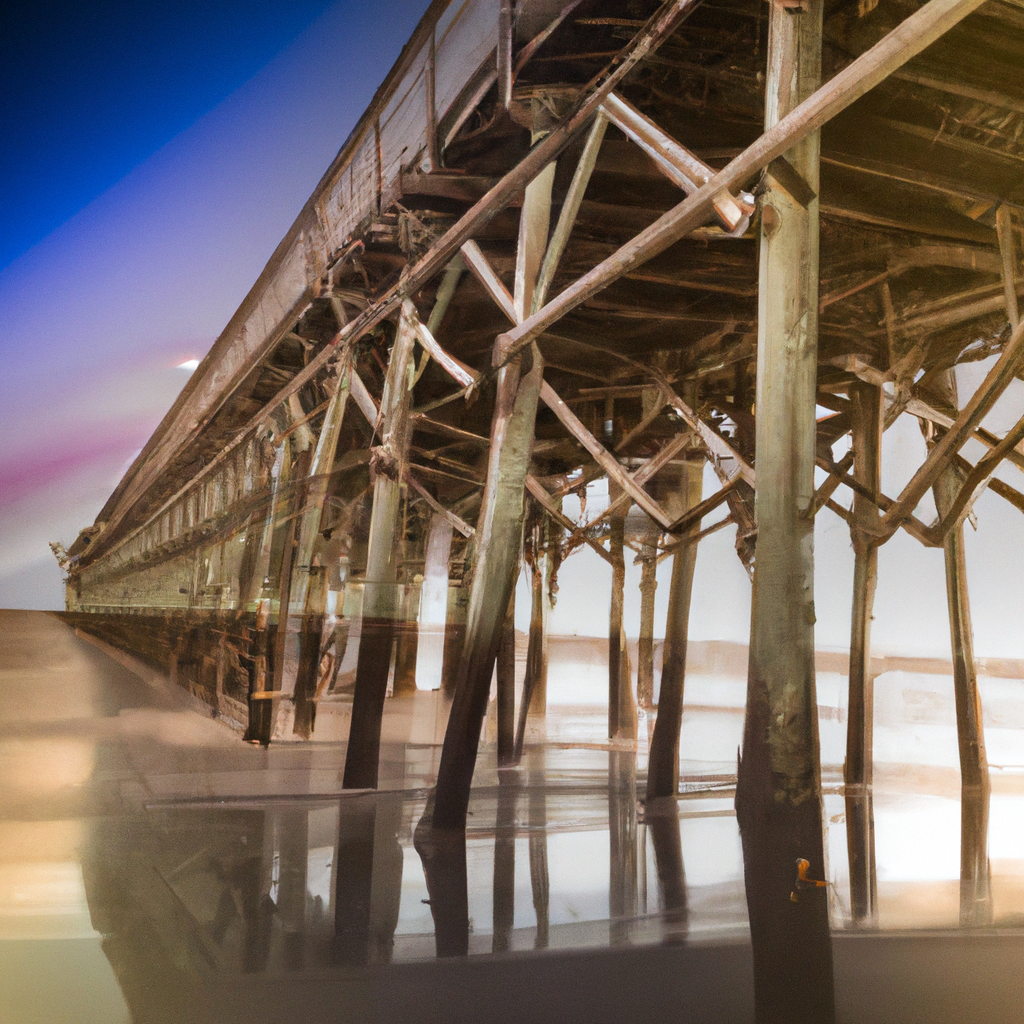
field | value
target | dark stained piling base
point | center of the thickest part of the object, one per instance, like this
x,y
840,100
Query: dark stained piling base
x,y
372,668
789,926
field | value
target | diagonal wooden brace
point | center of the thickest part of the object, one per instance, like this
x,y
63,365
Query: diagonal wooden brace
x,y
978,479
602,456
946,449
678,164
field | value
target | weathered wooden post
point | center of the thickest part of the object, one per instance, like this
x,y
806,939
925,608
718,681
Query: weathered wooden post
x,y
866,401
407,641
310,581
499,531
974,779
505,680
622,720
663,763
535,682
645,641
380,590
650,397
778,798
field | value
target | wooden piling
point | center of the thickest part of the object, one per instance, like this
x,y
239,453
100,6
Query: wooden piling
x,y
499,540
645,641
380,589
663,763
535,682
866,403
975,890
622,718
499,531
506,686
970,732
778,799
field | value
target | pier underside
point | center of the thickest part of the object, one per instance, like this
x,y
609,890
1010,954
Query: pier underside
x,y
654,244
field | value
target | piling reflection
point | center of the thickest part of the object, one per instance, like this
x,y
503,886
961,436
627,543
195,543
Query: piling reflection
x,y
662,819
622,839
783,860
540,881
504,878
368,869
975,873
443,854
860,844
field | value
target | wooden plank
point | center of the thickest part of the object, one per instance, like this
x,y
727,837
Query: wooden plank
x,y
451,365
962,502
363,399
504,57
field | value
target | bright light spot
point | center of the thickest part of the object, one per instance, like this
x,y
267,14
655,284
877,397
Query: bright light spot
x,y
189,364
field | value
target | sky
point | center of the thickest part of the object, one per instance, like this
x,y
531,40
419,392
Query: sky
x,y
153,156
153,159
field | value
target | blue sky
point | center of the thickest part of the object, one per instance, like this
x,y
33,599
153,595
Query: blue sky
x,y
90,90
153,157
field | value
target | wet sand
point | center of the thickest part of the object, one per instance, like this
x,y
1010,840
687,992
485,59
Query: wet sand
x,y
155,868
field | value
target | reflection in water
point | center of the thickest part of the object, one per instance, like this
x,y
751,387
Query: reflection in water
x,y
213,868
290,826
789,921
860,843
540,882
662,818
368,869
504,892
622,839
975,875
443,853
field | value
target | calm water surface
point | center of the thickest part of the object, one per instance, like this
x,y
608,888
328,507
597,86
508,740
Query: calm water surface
x,y
154,868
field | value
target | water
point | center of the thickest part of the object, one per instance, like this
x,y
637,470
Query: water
x,y
155,868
